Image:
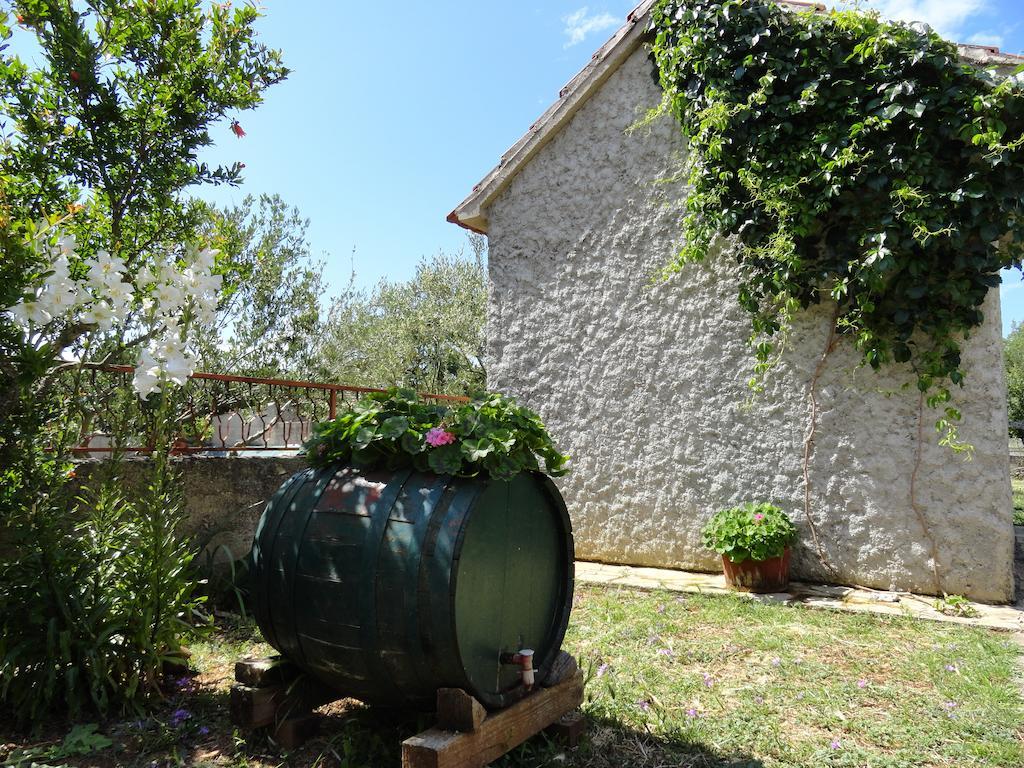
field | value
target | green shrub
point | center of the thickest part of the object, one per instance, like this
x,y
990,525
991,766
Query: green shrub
x,y
490,434
749,532
95,595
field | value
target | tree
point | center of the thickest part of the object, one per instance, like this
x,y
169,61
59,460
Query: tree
x,y
102,140
269,314
100,261
427,333
1013,354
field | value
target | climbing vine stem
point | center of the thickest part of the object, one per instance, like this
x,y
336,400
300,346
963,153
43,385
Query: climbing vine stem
x,y
933,547
850,158
812,426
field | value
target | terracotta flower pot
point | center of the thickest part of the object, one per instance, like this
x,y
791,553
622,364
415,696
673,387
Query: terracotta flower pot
x,y
770,575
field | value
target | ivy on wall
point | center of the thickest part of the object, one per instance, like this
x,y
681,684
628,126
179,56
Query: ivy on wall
x,y
852,159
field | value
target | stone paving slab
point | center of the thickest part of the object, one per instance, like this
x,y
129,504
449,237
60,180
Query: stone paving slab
x,y
853,599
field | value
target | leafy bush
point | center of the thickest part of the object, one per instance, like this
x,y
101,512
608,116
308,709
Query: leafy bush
x,y
489,434
93,601
852,160
749,532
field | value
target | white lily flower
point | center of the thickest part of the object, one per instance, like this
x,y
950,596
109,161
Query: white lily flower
x,y
169,296
168,273
67,244
179,367
206,315
119,292
205,258
105,268
211,283
168,347
147,375
59,298
171,324
30,313
61,269
145,278
101,314
192,279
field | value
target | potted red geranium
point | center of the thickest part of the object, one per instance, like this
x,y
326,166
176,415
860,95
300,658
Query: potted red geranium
x,y
754,540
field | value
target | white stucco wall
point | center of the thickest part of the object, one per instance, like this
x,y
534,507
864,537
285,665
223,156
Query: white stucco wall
x,y
644,383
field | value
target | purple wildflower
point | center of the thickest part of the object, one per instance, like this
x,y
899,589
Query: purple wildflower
x,y
601,670
952,668
203,730
660,608
835,744
862,683
691,712
776,661
179,716
759,699
665,652
644,704
709,681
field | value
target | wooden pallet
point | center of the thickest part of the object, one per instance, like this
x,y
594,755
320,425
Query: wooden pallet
x,y
275,695
467,736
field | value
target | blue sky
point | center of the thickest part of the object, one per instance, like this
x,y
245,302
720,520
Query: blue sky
x,y
393,112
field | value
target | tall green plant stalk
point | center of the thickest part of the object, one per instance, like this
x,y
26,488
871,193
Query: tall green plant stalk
x,y
92,603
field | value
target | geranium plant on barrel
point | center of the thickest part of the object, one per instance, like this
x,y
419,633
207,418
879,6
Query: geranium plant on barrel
x,y
754,541
489,434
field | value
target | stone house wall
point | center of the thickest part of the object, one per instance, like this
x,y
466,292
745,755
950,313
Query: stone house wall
x,y
644,382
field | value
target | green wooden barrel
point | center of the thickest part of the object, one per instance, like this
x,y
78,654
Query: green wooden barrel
x,y
388,585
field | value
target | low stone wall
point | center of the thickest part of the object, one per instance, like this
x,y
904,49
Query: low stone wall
x,y
224,496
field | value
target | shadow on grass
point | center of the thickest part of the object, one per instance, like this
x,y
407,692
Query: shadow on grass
x,y
367,736
354,735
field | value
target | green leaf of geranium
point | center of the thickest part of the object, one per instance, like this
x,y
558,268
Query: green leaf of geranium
x,y
393,427
446,460
475,450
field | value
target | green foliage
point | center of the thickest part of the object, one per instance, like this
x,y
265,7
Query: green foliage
x,y
122,105
488,435
956,605
1017,486
1013,357
425,334
99,133
92,601
269,319
852,160
754,531
81,740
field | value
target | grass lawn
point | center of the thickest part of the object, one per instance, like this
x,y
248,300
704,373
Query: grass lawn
x,y
1018,501
674,680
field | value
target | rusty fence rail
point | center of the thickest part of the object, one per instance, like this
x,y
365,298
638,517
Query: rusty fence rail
x,y
218,413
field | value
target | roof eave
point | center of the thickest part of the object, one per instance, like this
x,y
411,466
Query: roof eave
x,y
471,212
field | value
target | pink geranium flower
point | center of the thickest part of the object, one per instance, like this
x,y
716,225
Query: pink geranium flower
x,y
758,517
436,436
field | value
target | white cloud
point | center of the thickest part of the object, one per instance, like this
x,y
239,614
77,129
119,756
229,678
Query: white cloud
x,y
579,24
987,38
947,17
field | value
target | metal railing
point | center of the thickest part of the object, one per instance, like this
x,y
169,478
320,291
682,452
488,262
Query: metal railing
x,y
218,413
